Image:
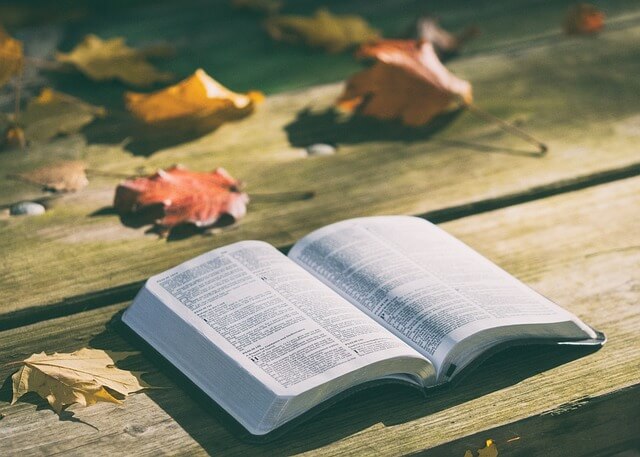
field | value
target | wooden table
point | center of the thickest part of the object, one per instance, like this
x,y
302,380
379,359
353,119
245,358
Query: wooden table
x,y
568,224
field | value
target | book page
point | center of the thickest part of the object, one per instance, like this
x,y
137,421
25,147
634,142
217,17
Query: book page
x,y
281,323
420,282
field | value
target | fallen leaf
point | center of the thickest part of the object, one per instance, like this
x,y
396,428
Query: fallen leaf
x,y
177,196
334,33
110,59
196,101
14,138
444,42
490,450
86,376
62,177
258,6
11,57
53,113
406,82
583,19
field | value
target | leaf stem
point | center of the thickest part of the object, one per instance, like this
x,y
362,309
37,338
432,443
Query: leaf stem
x,y
507,127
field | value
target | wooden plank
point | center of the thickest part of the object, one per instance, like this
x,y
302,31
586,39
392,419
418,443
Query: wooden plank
x,y
606,425
581,249
592,126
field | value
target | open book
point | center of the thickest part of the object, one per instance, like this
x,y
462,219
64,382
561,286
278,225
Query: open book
x,y
269,336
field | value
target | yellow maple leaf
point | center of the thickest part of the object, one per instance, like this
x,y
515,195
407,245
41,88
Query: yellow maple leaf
x,y
11,57
334,33
103,60
86,376
198,100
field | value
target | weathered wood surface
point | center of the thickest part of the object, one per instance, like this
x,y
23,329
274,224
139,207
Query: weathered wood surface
x,y
569,91
581,249
590,427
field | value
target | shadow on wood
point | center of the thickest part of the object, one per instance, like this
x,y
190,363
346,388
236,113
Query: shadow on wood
x,y
210,425
149,214
331,127
605,425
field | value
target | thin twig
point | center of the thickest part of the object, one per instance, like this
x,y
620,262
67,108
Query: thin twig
x,y
507,127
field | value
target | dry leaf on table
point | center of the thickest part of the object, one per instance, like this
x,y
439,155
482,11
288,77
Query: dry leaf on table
x,y
490,450
445,43
62,177
258,6
194,102
11,57
53,113
177,196
86,376
110,59
583,19
334,33
406,82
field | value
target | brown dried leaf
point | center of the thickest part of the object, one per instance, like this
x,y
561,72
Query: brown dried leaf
x,y
86,376
334,33
407,82
110,59
198,100
11,57
62,177
177,196
583,19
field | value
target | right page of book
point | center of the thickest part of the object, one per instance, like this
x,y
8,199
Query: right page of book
x,y
426,286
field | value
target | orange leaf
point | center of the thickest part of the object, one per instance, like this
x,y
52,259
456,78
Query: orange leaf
x,y
583,19
407,81
198,99
176,196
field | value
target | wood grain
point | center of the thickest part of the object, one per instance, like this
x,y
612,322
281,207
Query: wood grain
x,y
568,93
581,249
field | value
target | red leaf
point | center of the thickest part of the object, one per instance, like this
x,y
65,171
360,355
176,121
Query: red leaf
x,y
176,196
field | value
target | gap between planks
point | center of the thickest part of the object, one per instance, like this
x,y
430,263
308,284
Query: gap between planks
x,y
125,292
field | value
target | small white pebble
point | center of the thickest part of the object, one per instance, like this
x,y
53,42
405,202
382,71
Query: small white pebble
x,y
27,209
320,149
